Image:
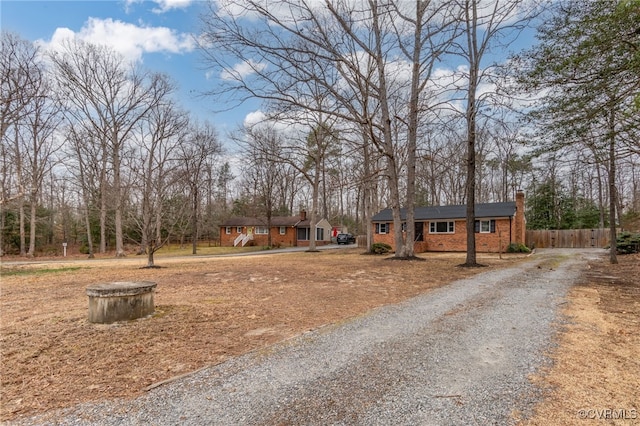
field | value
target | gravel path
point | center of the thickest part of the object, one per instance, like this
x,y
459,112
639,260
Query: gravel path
x,y
457,355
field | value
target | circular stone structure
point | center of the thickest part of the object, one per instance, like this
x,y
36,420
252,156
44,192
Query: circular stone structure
x,y
120,301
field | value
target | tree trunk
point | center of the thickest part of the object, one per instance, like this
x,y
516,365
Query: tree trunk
x,y
314,206
119,205
194,220
103,201
387,134
601,210
613,259
88,227
408,250
150,251
158,227
470,186
367,192
2,225
32,226
103,221
23,242
19,179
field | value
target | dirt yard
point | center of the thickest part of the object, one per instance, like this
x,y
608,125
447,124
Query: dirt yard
x,y
208,310
595,378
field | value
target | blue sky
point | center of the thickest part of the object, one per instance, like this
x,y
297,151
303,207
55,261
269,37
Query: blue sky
x,y
157,34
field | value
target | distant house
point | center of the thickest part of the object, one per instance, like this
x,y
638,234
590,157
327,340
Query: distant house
x,y
285,231
443,228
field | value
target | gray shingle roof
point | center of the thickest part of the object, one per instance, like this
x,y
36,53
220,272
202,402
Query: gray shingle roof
x,y
485,210
262,221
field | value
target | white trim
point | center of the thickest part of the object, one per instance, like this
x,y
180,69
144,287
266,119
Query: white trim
x,y
451,227
379,228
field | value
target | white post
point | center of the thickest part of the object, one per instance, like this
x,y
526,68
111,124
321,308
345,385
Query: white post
x,y
64,249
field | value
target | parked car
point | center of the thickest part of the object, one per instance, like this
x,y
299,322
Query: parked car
x,y
345,239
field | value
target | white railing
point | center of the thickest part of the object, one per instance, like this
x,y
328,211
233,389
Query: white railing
x,y
246,239
238,239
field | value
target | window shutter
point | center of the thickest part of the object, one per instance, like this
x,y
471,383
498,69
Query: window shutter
x,y
493,225
477,225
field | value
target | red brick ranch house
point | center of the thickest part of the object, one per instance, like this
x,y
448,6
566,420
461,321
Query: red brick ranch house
x,y
285,231
443,228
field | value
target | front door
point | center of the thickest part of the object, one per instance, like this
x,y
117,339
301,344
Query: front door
x,y
419,231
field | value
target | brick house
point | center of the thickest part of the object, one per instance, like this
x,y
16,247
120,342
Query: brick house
x,y
443,228
286,231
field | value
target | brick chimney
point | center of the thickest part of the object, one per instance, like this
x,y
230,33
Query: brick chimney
x,y
520,220
303,215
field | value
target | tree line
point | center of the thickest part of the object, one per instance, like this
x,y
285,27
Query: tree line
x,y
95,148
365,105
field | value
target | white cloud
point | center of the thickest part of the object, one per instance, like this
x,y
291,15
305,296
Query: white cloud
x,y
293,127
253,118
242,69
130,40
284,11
164,5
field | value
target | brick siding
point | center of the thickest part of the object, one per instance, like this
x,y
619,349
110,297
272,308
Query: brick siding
x,y
457,241
286,240
277,240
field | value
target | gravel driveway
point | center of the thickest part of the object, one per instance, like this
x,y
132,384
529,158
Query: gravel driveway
x,y
457,355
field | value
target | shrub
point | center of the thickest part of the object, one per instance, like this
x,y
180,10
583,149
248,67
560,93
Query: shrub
x,y
518,248
628,243
380,248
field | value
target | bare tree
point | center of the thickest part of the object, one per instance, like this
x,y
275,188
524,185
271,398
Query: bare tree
x,y
159,136
263,169
20,77
487,25
86,169
342,51
39,146
200,151
110,97
32,148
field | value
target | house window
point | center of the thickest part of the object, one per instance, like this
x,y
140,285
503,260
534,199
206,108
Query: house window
x,y
485,226
404,227
319,234
283,230
239,229
227,230
382,228
303,234
262,230
443,227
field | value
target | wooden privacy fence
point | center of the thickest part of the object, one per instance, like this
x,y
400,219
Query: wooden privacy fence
x,y
568,238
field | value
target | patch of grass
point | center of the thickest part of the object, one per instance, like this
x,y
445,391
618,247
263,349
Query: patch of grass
x,y
202,250
21,272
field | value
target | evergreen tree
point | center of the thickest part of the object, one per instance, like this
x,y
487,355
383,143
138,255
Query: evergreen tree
x,y
587,66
